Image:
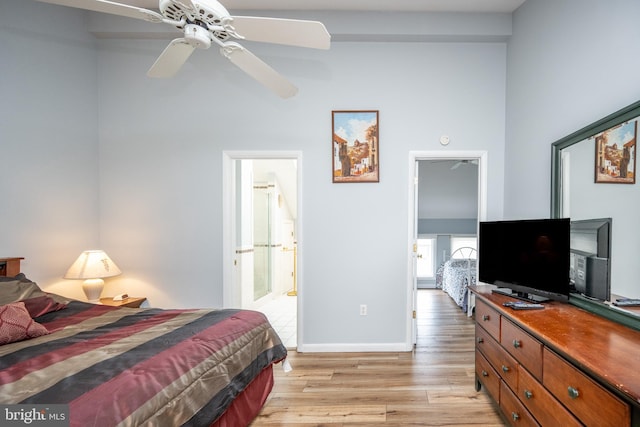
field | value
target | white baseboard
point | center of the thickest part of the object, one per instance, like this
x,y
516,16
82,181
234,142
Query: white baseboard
x,y
354,348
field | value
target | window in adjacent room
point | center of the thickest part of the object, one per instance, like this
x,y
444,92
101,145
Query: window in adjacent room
x,y
458,242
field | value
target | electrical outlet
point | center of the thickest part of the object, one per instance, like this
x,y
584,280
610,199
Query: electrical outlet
x,y
363,309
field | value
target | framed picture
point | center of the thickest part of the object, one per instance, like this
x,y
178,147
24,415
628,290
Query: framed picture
x,y
616,153
354,143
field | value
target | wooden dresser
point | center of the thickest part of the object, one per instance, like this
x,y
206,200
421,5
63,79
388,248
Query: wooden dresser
x,y
558,366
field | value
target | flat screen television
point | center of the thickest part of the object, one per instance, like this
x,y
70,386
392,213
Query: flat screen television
x,y
527,259
590,258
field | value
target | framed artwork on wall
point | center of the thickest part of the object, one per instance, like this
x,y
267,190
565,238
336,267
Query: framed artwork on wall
x,y
355,146
616,153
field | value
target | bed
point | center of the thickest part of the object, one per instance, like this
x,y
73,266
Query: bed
x,y
116,366
456,274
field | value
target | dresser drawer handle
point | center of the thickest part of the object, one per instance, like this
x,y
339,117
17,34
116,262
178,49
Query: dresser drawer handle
x,y
573,392
517,344
515,416
485,373
486,317
505,368
480,340
528,394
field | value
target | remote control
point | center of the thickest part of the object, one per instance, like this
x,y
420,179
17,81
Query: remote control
x,y
523,305
627,302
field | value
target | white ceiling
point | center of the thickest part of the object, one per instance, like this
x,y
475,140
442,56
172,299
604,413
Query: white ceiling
x,y
472,6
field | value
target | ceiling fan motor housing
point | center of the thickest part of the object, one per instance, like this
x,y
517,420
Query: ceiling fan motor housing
x,y
206,14
197,36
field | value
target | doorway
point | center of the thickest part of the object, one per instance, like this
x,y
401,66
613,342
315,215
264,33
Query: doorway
x,y
261,236
435,216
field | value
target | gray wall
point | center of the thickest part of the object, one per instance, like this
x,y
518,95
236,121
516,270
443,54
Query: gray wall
x,y
447,189
49,179
160,166
467,226
570,63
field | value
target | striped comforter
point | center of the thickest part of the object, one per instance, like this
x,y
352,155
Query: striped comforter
x,y
122,366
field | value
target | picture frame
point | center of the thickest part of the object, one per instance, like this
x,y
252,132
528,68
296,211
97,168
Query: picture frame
x,y
355,146
615,156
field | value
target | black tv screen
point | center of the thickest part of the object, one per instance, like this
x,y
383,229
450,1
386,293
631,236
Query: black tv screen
x,y
530,258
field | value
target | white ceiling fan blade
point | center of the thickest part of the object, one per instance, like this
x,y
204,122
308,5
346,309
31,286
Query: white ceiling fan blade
x,y
110,7
259,70
171,59
292,32
188,4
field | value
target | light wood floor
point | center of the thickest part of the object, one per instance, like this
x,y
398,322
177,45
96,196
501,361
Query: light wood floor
x,y
431,386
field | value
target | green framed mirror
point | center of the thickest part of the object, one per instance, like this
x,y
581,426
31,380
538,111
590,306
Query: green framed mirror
x,y
593,175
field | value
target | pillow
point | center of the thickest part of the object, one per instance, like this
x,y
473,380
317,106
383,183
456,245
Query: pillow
x,y
18,288
19,276
462,263
16,324
42,305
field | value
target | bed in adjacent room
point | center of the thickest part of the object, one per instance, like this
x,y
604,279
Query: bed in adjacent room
x,y
456,274
133,366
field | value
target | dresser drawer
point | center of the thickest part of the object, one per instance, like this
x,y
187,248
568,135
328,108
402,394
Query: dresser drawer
x,y
504,364
542,405
487,376
587,400
514,410
526,349
488,318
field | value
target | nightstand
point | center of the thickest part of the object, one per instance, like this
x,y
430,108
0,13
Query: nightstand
x,y
133,302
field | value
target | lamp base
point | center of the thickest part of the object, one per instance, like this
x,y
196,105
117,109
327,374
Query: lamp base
x,y
92,289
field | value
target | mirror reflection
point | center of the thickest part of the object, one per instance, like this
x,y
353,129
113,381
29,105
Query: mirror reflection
x,y
581,193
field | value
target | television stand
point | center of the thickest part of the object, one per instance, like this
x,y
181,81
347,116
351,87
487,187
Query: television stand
x,y
520,295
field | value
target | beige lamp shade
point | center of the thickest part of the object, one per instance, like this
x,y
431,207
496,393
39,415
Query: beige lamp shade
x,y
92,266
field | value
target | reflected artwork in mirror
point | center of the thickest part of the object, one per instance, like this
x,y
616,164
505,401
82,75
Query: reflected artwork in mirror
x,y
578,193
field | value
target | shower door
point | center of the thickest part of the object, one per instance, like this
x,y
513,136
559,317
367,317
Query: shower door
x,y
262,241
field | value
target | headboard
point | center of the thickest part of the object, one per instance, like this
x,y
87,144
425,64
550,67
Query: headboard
x,y
465,252
10,266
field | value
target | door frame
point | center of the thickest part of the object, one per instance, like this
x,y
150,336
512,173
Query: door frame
x,y
414,157
229,272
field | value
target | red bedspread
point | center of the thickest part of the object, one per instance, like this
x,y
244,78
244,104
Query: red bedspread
x,y
120,366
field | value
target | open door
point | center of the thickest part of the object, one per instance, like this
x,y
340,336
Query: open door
x,y
414,257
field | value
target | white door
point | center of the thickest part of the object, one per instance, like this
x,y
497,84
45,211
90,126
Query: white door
x,y
414,257
289,258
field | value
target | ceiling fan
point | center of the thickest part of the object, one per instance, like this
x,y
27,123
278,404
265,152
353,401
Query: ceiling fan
x,y
464,162
457,164
204,22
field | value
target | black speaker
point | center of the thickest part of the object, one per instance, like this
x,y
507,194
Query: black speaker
x,y
597,278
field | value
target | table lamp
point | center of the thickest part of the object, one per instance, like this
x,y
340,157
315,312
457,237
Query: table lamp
x,y
92,266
